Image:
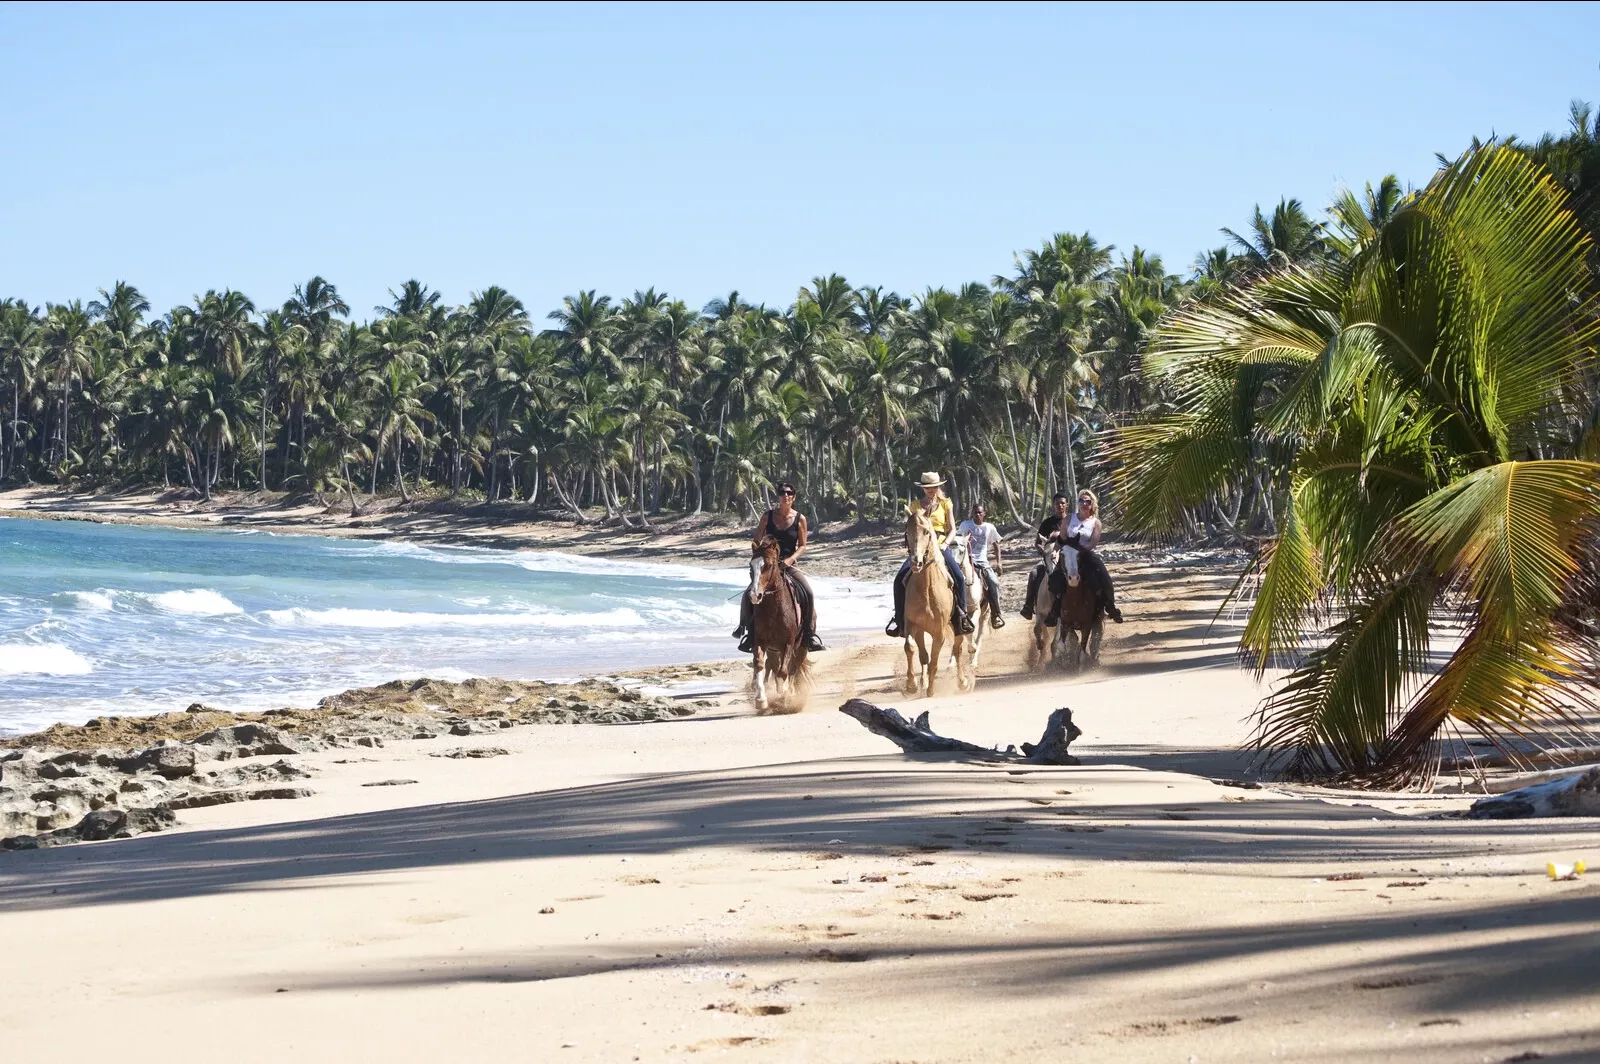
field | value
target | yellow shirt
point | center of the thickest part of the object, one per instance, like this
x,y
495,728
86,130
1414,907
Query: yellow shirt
x,y
942,516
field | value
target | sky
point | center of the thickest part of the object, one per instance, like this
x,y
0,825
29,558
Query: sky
x,y
703,149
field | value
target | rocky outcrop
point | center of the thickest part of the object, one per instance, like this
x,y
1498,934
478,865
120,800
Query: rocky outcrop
x,y
119,776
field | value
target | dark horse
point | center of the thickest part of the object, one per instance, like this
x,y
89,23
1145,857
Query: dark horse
x,y
780,652
1075,639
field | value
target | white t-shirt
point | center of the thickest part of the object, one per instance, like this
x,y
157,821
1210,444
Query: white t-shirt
x,y
1085,531
979,539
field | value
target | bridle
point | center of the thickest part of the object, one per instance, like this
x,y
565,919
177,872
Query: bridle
x,y
920,550
765,572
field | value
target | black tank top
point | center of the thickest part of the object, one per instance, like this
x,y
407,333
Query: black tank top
x,y
788,538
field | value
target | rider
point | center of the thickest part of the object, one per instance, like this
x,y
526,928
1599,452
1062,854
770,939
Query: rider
x,y
1083,535
1080,531
941,515
981,535
788,526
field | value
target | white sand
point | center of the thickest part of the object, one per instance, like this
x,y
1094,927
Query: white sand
x,y
792,889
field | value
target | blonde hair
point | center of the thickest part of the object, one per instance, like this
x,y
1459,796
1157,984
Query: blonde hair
x,y
1094,501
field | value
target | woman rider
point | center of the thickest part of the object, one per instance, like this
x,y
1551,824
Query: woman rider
x,y
1081,532
788,526
941,515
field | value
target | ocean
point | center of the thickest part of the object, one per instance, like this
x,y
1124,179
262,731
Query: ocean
x,y
115,619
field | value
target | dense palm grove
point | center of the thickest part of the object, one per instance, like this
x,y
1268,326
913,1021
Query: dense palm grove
x,y
623,406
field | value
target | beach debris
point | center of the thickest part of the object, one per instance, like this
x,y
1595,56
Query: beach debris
x,y
389,783
918,736
1575,795
1558,872
472,751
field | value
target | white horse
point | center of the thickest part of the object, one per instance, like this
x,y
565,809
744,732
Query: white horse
x,y
978,608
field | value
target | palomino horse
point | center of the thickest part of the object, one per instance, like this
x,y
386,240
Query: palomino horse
x,y
1074,642
780,653
929,600
978,609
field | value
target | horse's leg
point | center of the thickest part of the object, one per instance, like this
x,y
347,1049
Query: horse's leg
x,y
932,661
912,673
758,665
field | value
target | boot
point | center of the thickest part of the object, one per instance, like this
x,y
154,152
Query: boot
x,y
962,622
747,643
895,628
813,643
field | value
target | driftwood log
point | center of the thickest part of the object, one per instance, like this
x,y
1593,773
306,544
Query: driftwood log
x,y
1575,795
917,737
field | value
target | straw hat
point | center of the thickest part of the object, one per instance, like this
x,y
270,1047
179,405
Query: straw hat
x,y
931,480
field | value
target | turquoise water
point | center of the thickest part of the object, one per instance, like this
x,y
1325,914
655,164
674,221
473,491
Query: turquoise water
x,y
101,619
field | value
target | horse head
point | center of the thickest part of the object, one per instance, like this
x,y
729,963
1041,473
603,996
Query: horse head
x,y
764,568
922,546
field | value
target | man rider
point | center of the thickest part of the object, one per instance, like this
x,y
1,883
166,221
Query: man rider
x,y
981,536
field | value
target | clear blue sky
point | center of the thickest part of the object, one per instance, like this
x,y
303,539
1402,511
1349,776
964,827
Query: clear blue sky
x,y
700,149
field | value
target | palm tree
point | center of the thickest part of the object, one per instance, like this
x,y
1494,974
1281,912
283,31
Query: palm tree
x,y
1395,396
398,390
66,340
1288,238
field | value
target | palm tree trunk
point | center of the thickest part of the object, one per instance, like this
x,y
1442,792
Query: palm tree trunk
x,y
399,465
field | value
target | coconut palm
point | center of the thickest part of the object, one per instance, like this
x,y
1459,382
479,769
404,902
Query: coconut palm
x,y
1395,396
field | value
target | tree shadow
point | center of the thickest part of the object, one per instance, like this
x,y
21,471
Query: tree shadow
x,y
875,805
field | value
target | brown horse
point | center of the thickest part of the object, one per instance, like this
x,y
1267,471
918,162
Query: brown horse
x,y
780,653
1074,642
930,598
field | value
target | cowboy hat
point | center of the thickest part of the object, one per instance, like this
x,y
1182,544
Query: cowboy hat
x,y
930,480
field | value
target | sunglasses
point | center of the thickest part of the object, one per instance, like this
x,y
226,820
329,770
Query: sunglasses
x,y
786,491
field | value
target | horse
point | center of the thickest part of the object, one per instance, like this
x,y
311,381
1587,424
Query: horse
x,y
1074,642
978,609
930,598
780,654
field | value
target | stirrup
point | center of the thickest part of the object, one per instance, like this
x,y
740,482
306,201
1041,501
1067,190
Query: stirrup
x,y
1027,613
747,645
814,642
738,633
894,629
996,621
964,624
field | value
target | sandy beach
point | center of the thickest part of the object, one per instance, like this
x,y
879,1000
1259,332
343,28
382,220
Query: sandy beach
x,y
793,888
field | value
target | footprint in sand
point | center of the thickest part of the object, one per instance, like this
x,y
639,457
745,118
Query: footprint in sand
x,y
747,1010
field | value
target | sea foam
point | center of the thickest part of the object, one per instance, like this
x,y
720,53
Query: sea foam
x,y
357,618
197,602
43,659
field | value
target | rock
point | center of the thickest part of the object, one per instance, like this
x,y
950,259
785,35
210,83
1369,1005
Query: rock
x,y
168,760
472,751
388,783
368,741
461,729
103,824
425,735
1575,795
245,740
